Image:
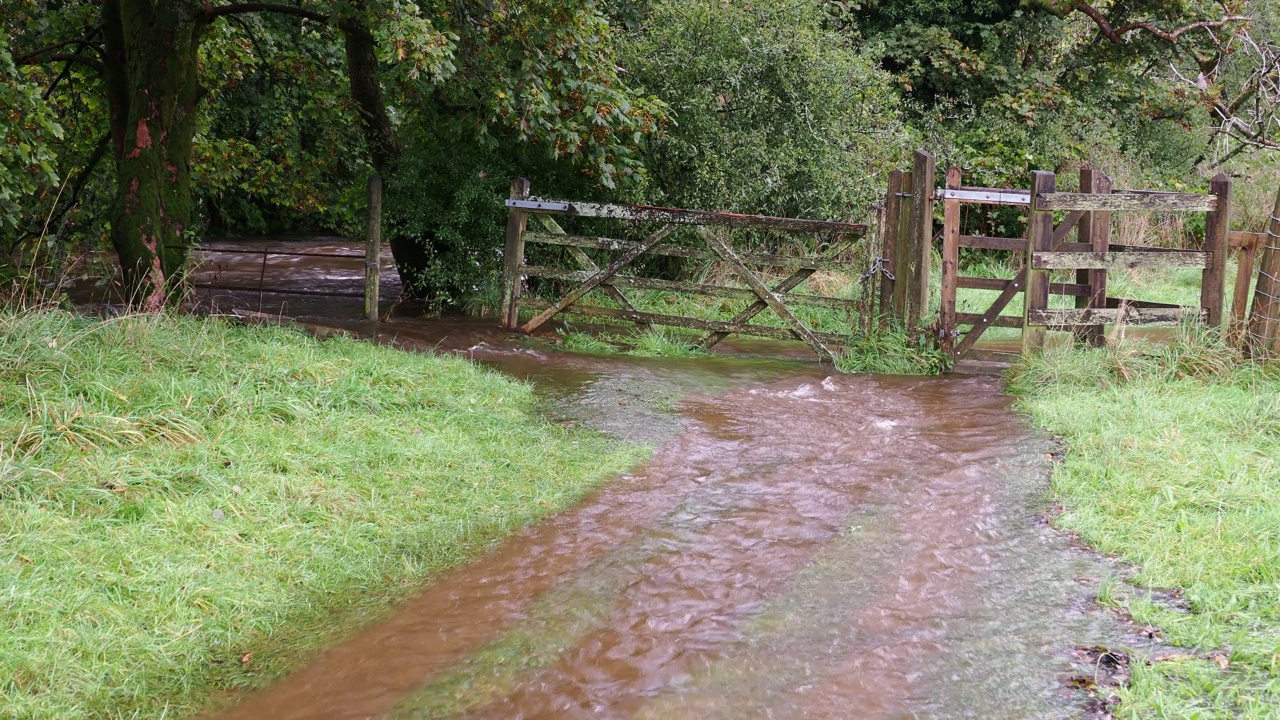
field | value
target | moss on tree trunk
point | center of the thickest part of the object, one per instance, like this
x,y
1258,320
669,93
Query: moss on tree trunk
x,y
153,84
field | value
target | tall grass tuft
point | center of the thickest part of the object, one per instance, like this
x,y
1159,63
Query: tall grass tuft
x,y
188,507
1174,466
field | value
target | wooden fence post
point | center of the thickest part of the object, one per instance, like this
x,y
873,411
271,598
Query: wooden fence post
x,y
373,249
923,181
902,261
1094,230
1039,239
1264,321
950,262
892,211
1244,283
513,257
1213,284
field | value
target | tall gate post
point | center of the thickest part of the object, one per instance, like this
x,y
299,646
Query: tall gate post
x,y
1094,230
1039,239
902,239
892,212
513,257
1213,286
1264,321
923,181
950,263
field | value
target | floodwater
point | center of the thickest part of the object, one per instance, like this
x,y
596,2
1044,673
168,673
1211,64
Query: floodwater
x,y
802,544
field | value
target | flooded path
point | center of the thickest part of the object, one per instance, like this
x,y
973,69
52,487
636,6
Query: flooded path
x,y
802,544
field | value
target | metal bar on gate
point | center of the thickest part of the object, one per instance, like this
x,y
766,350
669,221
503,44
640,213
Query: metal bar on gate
x,y
990,196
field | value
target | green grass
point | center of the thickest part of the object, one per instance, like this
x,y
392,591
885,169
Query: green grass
x,y
882,350
1174,466
190,508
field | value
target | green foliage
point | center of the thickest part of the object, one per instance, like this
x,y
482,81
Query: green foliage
x,y
771,113
28,126
546,71
279,147
1001,87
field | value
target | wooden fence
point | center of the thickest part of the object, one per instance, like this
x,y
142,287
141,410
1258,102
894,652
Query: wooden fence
x,y
603,273
1080,242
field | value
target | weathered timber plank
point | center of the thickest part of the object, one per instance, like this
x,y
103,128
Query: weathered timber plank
x,y
1110,316
922,191
1240,240
977,283
892,207
574,295
1068,224
1039,240
1071,289
1117,260
787,262
1166,202
1095,234
1213,281
1244,282
788,283
643,283
902,262
513,256
950,261
680,216
993,243
726,253
1004,321
1140,248
645,318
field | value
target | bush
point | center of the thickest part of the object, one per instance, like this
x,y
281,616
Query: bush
x,y
771,113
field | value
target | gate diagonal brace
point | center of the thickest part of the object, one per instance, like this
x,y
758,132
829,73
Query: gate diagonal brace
x,y
1011,289
598,279
726,253
788,284
586,263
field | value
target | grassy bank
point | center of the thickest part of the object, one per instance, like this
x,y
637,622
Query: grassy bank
x,y
1174,466
188,508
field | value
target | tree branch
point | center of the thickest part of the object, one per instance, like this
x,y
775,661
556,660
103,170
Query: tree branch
x,y
1116,35
213,12
86,41
64,57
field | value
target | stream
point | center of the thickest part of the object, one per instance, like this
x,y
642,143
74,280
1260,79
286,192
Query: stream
x,y
802,544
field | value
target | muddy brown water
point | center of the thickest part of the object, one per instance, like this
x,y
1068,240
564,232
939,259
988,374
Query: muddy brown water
x,y
802,544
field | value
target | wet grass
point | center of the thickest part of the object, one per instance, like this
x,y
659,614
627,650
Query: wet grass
x,y
879,349
1174,466
190,508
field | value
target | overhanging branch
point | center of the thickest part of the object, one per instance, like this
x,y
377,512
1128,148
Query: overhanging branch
x,y
213,12
1116,34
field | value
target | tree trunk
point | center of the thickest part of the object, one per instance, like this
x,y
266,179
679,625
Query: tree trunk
x,y
153,87
410,253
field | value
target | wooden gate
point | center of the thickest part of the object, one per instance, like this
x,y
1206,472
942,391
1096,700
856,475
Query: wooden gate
x,y
1091,255
604,275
